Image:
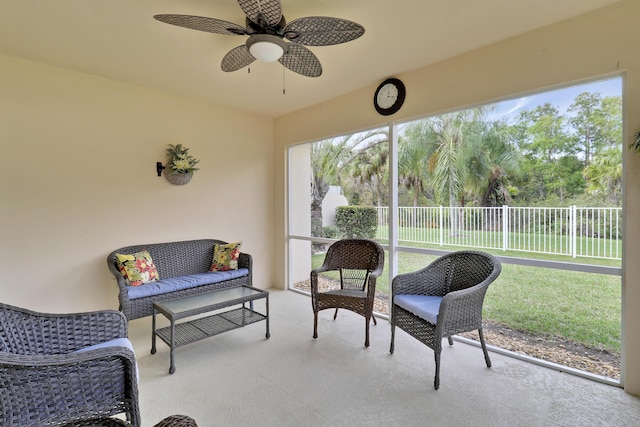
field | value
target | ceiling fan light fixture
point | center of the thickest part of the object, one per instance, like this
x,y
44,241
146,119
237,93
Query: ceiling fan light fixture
x,y
265,47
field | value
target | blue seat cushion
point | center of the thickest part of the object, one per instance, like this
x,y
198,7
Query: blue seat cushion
x,y
173,284
425,307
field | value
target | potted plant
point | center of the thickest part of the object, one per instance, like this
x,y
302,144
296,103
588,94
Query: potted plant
x,y
180,165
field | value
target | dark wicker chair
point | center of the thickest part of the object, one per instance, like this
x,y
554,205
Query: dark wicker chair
x,y
44,382
359,263
461,280
177,421
170,421
98,422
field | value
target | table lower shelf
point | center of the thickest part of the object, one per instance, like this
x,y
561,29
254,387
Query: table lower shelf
x,y
205,327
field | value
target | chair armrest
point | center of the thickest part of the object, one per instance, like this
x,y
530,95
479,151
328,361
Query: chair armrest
x,y
58,361
314,277
462,310
245,261
122,284
378,271
373,276
371,286
51,389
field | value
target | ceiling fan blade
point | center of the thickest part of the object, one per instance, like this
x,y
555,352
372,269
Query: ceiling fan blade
x,y
322,31
236,58
269,10
301,60
200,23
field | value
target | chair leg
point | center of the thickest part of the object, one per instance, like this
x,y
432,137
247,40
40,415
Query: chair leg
x,y
366,332
450,340
484,348
393,337
436,381
315,324
374,319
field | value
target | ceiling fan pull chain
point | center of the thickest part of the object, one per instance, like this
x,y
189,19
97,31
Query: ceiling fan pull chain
x,y
283,83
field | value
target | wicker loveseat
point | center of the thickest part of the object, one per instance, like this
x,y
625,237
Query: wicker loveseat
x,y
183,268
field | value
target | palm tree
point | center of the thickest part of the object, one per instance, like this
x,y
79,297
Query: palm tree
x,y
604,175
325,160
370,168
499,160
415,146
446,165
330,160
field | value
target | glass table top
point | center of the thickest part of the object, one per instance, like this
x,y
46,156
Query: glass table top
x,y
209,299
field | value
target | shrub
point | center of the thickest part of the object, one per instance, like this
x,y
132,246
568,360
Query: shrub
x,y
357,221
330,232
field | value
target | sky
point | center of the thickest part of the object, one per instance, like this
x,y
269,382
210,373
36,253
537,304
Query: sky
x,y
560,98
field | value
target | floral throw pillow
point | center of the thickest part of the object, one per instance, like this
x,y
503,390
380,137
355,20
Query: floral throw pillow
x,y
225,257
137,268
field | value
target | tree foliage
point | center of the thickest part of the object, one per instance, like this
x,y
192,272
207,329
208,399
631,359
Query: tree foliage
x,y
356,221
464,158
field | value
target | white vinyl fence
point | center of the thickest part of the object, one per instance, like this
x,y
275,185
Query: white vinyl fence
x,y
573,231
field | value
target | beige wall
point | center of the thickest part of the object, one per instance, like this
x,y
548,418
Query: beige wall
x,y
78,180
598,44
78,156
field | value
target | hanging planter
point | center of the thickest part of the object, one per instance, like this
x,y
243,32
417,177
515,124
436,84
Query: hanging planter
x,y
180,165
179,178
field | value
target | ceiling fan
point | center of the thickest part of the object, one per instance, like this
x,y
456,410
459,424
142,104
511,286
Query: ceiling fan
x,y
271,38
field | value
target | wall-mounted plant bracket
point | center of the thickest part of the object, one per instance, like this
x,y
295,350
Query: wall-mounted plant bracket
x,y
159,168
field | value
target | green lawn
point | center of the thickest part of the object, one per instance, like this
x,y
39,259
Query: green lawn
x,y
582,307
521,242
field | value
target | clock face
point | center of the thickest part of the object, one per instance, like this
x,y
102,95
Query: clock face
x,y
389,96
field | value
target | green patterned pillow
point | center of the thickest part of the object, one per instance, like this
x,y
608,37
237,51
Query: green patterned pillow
x,y
225,257
137,268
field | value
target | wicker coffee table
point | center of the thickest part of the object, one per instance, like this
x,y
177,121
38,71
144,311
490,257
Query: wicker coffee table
x,y
199,328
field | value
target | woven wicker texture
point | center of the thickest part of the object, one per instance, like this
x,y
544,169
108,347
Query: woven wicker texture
x,y
174,259
462,279
98,422
177,421
323,30
178,178
271,10
301,60
42,382
359,262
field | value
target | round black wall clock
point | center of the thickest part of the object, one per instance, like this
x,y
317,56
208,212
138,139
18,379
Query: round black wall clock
x,y
389,96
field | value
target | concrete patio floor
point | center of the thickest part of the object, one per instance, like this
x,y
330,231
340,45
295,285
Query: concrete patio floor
x,y
240,378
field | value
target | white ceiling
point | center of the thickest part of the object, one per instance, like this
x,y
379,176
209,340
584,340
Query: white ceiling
x,y
120,40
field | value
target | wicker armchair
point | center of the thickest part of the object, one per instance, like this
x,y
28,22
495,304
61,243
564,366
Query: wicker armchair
x,y
177,421
443,299
359,263
45,382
